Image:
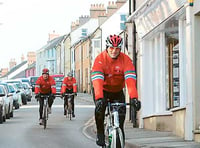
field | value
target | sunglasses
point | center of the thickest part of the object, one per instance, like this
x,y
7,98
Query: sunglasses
x,y
116,48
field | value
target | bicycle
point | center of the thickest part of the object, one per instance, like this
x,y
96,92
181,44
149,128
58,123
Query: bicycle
x,y
114,137
68,105
45,109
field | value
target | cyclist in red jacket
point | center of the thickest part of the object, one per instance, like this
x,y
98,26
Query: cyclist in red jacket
x,y
45,84
69,86
110,71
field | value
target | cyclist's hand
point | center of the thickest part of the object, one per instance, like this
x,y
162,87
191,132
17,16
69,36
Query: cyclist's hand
x,y
75,94
99,104
52,96
37,96
63,95
136,104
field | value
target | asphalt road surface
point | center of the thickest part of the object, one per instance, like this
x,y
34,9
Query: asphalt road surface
x,y
23,130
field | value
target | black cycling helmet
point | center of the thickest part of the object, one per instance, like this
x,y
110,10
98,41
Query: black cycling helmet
x,y
114,41
70,74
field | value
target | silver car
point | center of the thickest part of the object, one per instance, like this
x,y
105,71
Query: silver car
x,y
8,100
2,105
17,102
28,90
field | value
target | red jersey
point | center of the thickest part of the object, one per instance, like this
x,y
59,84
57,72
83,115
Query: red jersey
x,y
69,84
45,86
111,74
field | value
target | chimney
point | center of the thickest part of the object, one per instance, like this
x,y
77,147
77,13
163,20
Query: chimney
x,y
53,36
31,57
102,18
4,71
12,63
97,10
22,58
83,19
74,25
111,8
120,3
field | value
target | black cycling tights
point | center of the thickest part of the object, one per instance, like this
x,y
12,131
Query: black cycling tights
x,y
41,101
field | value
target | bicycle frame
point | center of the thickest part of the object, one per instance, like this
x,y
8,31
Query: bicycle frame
x,y
68,107
115,136
45,111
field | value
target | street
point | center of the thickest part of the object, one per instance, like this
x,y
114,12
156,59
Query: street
x,y
23,130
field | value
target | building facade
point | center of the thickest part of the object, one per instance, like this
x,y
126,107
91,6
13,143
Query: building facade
x,y
166,31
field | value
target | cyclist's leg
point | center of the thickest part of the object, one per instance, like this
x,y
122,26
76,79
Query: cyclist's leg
x,y
41,103
72,101
50,101
99,118
65,104
122,114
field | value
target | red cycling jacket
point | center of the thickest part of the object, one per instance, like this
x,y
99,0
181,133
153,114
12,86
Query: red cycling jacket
x,y
111,74
69,84
45,86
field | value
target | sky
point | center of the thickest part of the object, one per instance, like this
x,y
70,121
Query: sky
x,y
25,24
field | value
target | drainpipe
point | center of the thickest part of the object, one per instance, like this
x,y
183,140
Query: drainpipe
x,y
132,114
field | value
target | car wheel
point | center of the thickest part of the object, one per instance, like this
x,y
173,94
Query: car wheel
x,y
8,114
1,115
17,106
11,114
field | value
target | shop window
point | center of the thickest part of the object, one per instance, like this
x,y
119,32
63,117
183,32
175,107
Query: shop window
x,y
174,74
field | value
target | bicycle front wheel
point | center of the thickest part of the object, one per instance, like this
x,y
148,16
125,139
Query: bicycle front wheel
x,y
117,139
45,116
70,110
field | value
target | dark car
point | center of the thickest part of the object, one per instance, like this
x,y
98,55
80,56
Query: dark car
x,y
58,88
32,80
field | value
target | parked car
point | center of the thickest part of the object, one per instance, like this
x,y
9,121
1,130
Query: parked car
x,y
32,80
16,95
2,105
25,80
28,90
8,101
21,88
58,87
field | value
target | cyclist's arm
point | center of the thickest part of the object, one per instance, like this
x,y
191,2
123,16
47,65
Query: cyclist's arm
x,y
97,77
63,87
53,86
74,86
37,86
130,78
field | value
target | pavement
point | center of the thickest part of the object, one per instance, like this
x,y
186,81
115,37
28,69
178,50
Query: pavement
x,y
139,137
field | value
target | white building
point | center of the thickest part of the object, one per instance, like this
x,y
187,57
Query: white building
x,y
168,65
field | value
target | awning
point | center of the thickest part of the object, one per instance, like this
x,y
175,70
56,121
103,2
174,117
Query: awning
x,y
153,12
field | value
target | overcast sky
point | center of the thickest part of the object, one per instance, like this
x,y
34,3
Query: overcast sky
x,y
25,24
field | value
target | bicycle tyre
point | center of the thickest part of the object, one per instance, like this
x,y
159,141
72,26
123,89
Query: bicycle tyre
x,y
45,117
70,110
117,139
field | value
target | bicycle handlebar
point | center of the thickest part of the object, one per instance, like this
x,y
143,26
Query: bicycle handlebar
x,y
45,96
67,94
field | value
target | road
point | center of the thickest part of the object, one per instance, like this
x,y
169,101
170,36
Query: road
x,y
23,130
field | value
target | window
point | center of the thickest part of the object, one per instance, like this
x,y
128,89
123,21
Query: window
x,y
122,21
84,32
174,82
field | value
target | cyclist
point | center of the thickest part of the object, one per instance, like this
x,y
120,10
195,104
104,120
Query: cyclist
x,y
69,86
110,71
45,84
